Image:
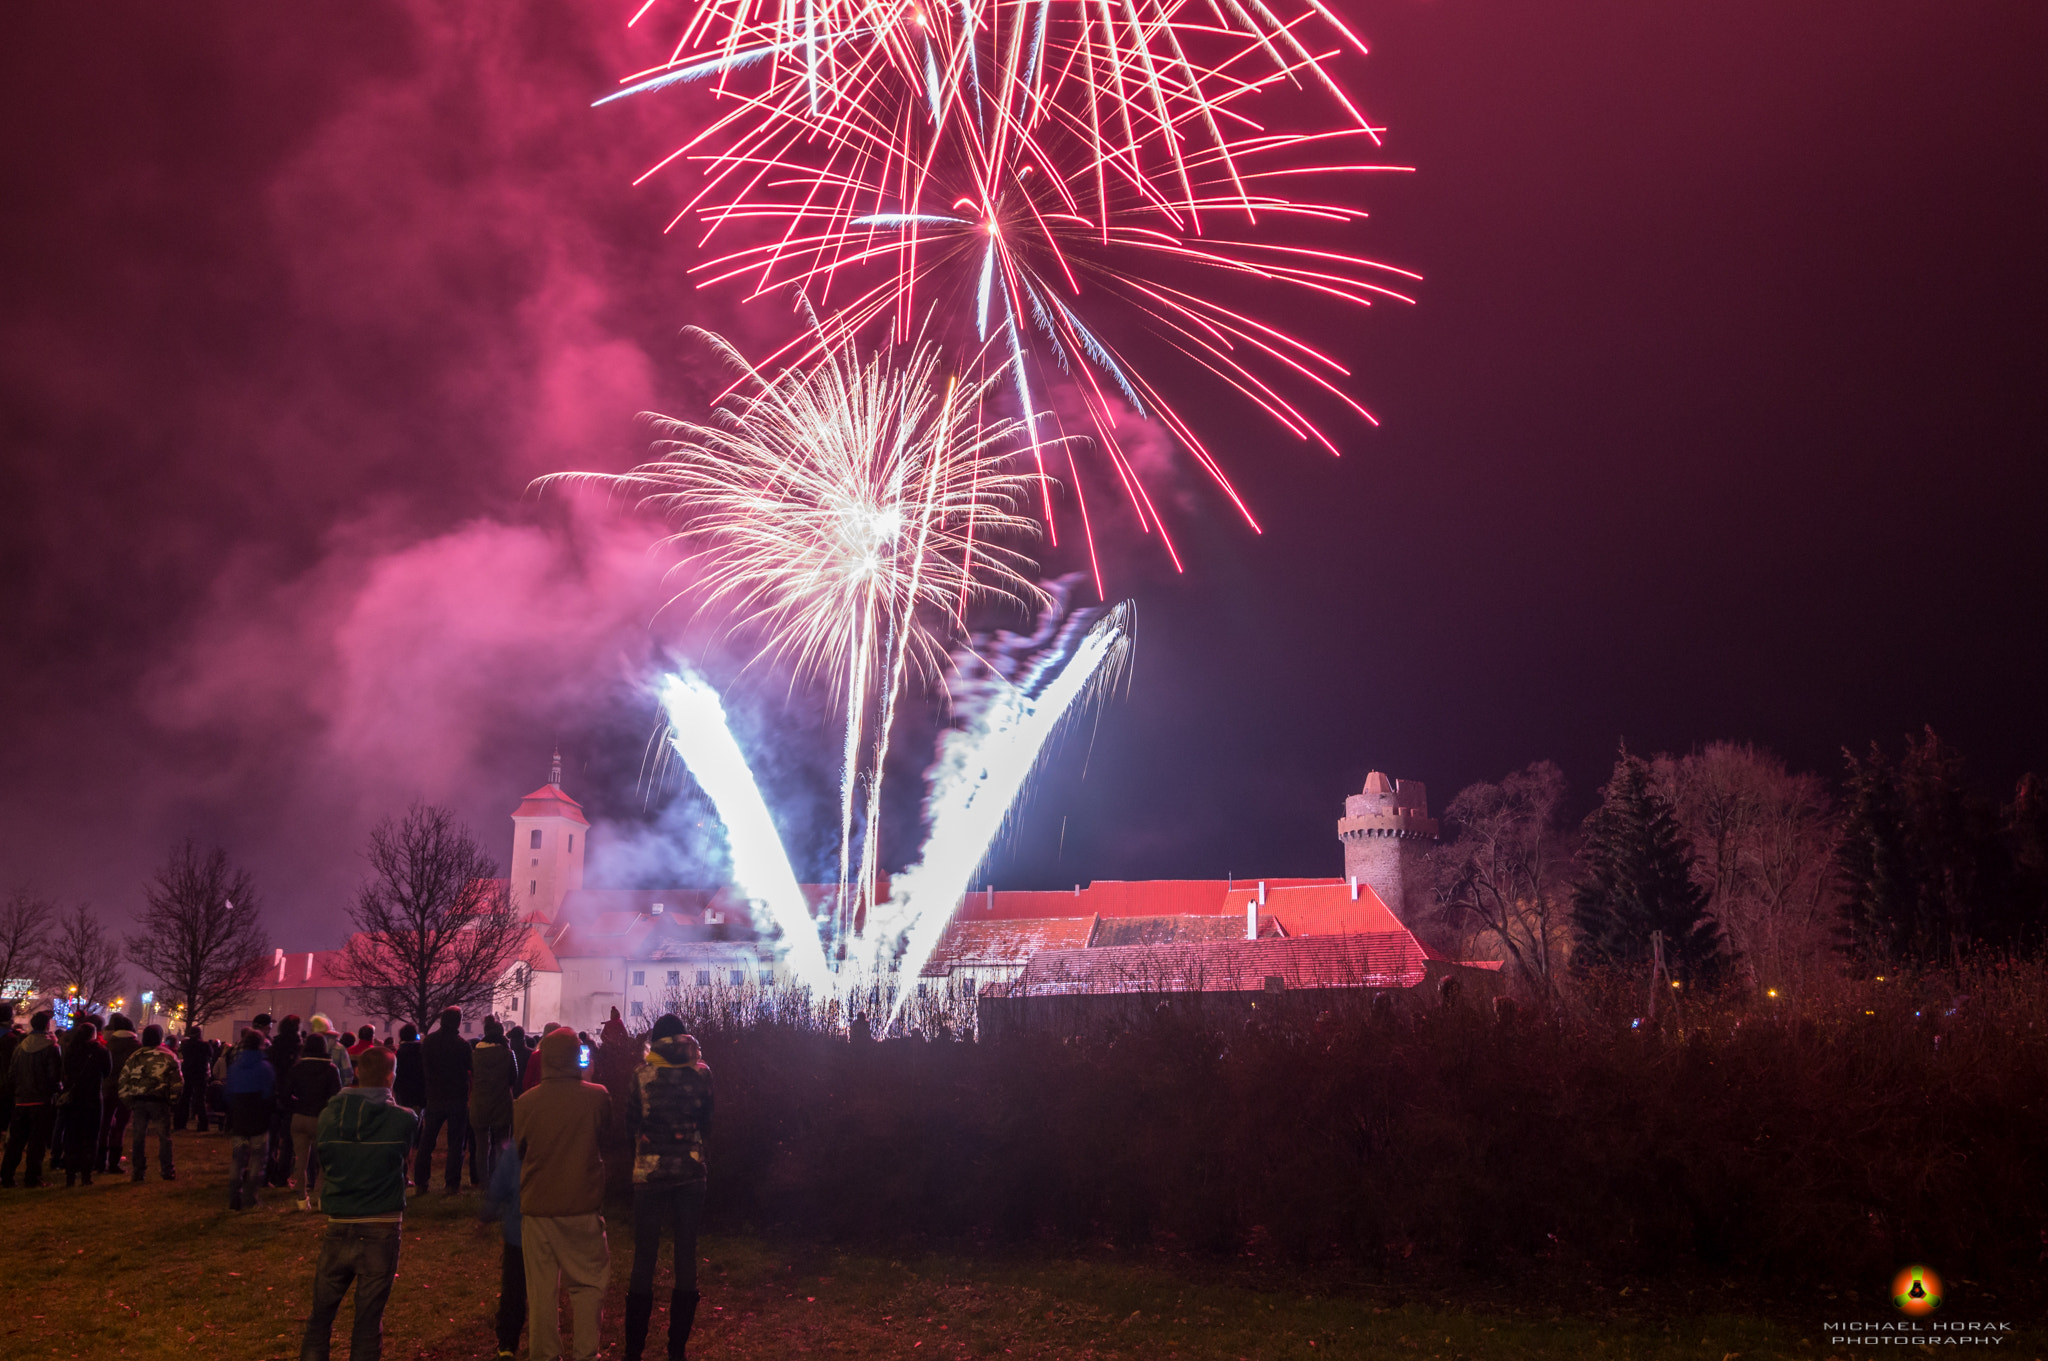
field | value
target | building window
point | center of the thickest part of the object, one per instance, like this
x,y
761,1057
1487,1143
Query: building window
x,y
920,987
639,978
534,843
739,976
675,978
639,1010
767,978
703,978
532,887
572,843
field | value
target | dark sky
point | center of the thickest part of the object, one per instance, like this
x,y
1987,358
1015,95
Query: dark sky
x,y
1721,416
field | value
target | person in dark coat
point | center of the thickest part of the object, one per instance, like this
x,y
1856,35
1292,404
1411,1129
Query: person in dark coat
x,y
251,1086
283,1053
308,1087
195,1056
10,1036
35,1076
87,1070
445,1056
121,1042
409,1087
668,1115
494,1082
618,1056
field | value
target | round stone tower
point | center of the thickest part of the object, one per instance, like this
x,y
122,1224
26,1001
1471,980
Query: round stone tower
x,y
1386,830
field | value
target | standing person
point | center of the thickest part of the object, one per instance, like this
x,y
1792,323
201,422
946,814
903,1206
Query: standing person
x,y
150,1085
501,1202
251,1088
618,1056
86,1069
530,1074
337,1052
122,1042
494,1081
668,1114
409,1087
36,1074
363,1141
283,1053
195,1056
561,1128
310,1085
10,1036
445,1056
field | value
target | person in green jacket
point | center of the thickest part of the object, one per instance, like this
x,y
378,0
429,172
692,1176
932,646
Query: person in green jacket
x,y
364,1142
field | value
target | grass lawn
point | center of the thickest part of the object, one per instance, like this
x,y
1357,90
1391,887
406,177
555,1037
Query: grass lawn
x,y
164,1269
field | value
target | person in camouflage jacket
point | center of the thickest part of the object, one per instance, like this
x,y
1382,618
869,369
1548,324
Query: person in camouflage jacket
x,y
150,1083
668,1115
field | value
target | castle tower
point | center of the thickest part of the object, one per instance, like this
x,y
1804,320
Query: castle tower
x,y
1386,830
548,836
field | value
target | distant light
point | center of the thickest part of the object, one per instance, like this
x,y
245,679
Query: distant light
x,y
1880,978
1770,992
1674,982
148,998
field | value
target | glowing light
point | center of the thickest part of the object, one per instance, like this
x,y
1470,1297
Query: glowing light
x,y
760,868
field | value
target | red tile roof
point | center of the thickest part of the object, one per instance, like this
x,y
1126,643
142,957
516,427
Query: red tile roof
x,y
1005,942
1321,909
550,801
1390,959
1118,898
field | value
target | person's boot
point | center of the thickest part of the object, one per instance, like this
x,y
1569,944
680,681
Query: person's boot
x,y
682,1315
639,1309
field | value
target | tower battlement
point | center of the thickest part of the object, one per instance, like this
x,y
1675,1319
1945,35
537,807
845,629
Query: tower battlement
x,y
1385,831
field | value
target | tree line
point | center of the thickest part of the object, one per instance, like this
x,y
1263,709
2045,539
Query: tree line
x,y
433,923
1727,867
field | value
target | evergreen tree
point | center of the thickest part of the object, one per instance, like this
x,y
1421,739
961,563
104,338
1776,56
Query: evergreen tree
x,y
1927,867
1635,878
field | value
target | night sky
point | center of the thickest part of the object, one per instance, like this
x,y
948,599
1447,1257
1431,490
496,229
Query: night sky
x,y
1721,416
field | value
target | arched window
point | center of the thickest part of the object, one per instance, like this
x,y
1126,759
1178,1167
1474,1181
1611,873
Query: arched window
x,y
534,842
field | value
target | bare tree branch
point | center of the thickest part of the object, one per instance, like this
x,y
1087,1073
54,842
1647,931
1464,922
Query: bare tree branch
x,y
202,935
435,926
84,956
24,941
1505,868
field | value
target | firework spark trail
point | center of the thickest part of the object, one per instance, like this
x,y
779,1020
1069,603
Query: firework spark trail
x,y
980,774
1048,188
760,867
850,511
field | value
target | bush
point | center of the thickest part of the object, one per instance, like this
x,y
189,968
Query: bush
x,y
1832,1136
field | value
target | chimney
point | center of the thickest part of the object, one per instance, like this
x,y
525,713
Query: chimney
x,y
991,897
1354,888
656,909
1251,920
1262,893
309,967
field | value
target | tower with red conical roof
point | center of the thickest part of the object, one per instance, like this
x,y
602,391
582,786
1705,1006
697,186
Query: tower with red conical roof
x,y
549,833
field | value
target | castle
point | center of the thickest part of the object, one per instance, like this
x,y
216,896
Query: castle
x,y
592,949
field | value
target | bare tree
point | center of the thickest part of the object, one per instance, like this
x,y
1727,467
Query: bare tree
x,y
1505,868
435,926
202,935
83,956
24,938
1765,842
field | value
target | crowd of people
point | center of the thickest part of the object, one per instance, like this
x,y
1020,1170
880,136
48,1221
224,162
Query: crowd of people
x,y
349,1125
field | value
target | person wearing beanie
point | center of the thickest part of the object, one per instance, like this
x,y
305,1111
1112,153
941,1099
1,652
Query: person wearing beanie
x,y
35,1076
150,1084
86,1070
561,1128
308,1087
251,1088
494,1082
409,1085
364,1141
668,1115
337,1050
122,1041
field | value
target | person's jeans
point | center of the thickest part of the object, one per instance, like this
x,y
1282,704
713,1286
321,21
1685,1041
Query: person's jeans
x,y
566,1251
29,1129
676,1210
245,1174
81,1152
511,1297
113,1133
363,1254
488,1143
192,1102
304,1130
456,1119
147,1113
277,1163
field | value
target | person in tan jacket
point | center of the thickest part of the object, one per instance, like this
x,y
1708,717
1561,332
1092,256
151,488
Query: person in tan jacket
x,y
561,1128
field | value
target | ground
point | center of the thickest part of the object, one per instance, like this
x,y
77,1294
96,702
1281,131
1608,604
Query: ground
x,y
164,1269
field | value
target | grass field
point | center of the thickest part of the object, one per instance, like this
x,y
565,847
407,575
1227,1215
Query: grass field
x,y
164,1269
